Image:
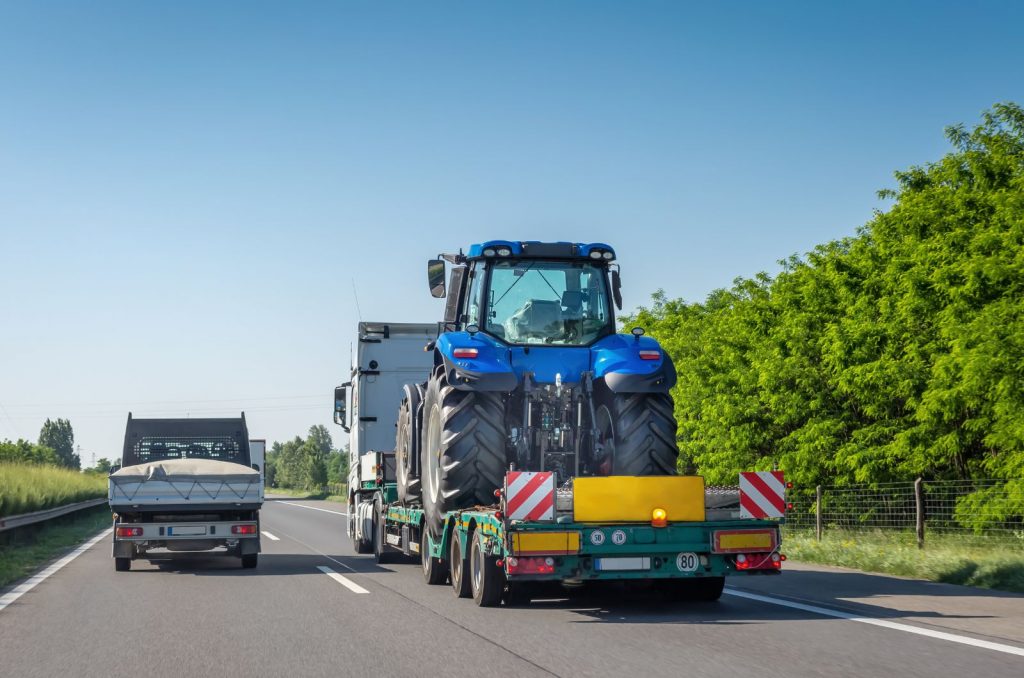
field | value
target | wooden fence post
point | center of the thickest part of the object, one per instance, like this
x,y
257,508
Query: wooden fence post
x,y
919,503
817,513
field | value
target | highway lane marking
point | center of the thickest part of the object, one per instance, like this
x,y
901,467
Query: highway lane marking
x,y
342,579
311,508
270,536
941,635
36,579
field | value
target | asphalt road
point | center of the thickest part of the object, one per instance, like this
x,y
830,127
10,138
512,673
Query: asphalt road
x,y
206,617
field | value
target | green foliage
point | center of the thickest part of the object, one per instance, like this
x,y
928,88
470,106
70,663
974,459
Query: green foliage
x,y
59,436
24,452
890,355
28,487
304,464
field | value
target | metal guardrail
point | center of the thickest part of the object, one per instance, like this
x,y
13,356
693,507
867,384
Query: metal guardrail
x,y
11,522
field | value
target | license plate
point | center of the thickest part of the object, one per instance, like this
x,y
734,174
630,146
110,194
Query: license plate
x,y
186,531
621,564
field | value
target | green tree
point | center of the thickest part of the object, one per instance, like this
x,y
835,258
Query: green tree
x,y
59,436
24,452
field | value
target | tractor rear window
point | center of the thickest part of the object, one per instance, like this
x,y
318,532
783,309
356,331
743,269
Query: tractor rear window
x,y
561,303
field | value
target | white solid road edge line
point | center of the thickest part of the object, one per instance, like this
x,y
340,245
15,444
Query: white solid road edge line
x,y
270,536
941,635
342,579
311,508
38,578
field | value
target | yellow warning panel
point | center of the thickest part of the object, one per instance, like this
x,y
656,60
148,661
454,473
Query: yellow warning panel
x,y
616,499
545,543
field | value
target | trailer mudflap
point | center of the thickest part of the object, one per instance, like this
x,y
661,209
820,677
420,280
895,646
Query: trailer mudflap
x,y
622,499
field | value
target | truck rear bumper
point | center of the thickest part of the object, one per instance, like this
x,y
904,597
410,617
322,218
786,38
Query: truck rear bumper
x,y
239,537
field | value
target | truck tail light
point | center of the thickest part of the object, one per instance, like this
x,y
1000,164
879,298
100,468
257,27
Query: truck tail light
x,y
243,529
650,355
465,353
531,565
129,532
759,561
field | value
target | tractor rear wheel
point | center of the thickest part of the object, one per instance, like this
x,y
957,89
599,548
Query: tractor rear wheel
x,y
463,450
405,448
638,430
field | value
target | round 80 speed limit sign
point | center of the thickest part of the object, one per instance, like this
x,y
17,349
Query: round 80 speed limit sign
x,y
687,562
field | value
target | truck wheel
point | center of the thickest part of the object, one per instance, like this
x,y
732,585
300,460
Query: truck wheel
x,y
405,449
639,431
434,570
463,450
459,564
250,560
380,544
486,578
122,564
361,546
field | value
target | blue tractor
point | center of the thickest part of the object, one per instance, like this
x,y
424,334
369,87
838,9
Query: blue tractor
x,y
529,374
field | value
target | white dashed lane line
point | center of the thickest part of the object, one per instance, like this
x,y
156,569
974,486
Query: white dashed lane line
x,y
270,536
342,579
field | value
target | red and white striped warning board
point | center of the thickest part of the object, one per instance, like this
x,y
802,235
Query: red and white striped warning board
x,y
762,494
530,495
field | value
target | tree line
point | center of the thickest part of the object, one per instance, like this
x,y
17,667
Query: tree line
x,y
55,447
308,463
892,354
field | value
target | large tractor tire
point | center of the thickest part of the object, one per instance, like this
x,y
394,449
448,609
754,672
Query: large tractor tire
x,y
638,430
463,450
406,447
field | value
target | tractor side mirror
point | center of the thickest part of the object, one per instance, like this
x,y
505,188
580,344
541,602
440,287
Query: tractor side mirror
x,y
435,277
340,405
617,289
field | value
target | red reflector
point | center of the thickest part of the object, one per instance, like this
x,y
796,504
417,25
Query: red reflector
x,y
243,529
650,355
531,565
465,352
129,532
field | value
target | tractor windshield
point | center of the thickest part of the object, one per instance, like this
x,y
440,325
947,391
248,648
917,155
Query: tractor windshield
x,y
561,303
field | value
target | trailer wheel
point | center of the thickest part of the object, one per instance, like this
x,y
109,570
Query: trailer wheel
x,y
380,544
405,448
435,571
122,564
250,560
639,432
361,546
486,578
463,449
458,563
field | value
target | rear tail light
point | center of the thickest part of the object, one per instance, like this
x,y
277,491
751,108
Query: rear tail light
x,y
759,561
129,532
650,355
465,352
243,529
531,565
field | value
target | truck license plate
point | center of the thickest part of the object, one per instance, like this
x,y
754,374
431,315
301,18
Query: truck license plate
x,y
621,564
186,531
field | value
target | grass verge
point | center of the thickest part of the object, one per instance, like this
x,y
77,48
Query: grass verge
x,y
25,488
947,559
307,494
24,550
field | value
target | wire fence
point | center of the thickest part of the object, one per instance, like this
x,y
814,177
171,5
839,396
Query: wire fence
x,y
970,511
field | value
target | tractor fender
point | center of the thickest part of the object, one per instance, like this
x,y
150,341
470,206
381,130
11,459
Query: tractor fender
x,y
489,370
616,360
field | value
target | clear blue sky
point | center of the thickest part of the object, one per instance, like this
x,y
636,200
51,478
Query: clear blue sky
x,y
188,190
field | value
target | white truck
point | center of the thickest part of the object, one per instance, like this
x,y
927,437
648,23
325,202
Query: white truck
x,y
388,359
187,485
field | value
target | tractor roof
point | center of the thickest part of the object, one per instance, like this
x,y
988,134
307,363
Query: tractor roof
x,y
532,249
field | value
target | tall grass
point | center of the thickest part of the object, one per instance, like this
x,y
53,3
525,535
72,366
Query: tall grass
x,y
952,559
25,488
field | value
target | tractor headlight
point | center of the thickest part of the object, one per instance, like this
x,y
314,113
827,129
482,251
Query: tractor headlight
x,y
608,255
504,252
489,252
595,254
